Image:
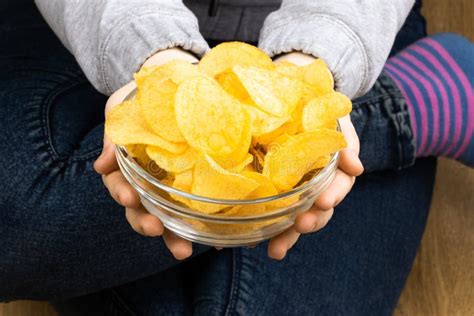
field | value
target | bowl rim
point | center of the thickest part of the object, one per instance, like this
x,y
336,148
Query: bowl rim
x,y
121,150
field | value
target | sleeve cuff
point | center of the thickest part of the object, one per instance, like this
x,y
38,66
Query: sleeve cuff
x,y
132,42
324,37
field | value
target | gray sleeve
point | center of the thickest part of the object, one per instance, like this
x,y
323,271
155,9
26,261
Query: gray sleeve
x,y
112,38
354,37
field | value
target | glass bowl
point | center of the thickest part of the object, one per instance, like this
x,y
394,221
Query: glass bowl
x,y
223,230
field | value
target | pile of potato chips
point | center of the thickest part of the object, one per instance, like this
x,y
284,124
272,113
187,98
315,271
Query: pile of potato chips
x,y
235,126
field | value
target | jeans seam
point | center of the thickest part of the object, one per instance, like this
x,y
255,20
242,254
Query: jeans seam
x,y
45,115
45,121
234,287
405,141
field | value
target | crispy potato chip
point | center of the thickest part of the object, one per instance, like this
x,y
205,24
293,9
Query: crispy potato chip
x,y
290,128
125,125
209,119
265,189
236,160
172,162
157,102
318,76
235,166
183,181
138,152
227,55
272,92
291,160
289,69
323,112
322,162
176,70
231,84
211,180
263,123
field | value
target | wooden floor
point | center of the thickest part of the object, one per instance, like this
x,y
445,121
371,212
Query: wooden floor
x,y
441,282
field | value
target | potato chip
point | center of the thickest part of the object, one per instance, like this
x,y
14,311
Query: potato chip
x,y
211,180
208,118
322,162
176,70
157,102
265,188
289,69
235,166
125,125
295,157
172,162
272,92
227,55
290,128
318,76
237,160
263,123
323,112
183,181
231,84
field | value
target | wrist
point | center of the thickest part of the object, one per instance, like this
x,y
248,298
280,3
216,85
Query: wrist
x,y
169,54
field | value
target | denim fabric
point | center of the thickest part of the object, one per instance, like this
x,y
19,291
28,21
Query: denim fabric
x,y
62,236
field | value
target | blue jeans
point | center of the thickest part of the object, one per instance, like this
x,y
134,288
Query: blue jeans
x,y
62,236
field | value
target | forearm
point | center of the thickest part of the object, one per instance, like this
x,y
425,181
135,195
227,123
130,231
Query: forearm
x,y
353,37
111,39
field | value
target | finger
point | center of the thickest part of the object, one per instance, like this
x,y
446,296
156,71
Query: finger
x,y
143,222
350,163
180,248
350,134
106,162
312,220
279,245
349,160
340,186
120,190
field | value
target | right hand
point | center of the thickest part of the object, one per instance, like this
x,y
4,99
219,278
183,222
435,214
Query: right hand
x,y
121,191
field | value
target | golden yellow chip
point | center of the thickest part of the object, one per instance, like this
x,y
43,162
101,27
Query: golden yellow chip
x,y
237,158
235,166
289,69
227,55
209,119
323,112
272,92
125,125
263,123
157,102
265,188
231,84
172,162
318,76
183,181
176,70
290,128
211,180
295,157
322,162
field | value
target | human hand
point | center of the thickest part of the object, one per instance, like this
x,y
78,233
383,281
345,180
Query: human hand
x,y
121,191
321,212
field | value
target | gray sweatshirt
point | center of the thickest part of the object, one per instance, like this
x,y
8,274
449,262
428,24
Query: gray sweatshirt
x,y
112,38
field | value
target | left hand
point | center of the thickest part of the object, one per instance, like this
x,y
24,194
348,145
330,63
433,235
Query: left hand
x,y
321,212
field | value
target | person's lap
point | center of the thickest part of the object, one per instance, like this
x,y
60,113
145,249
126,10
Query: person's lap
x,y
63,236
